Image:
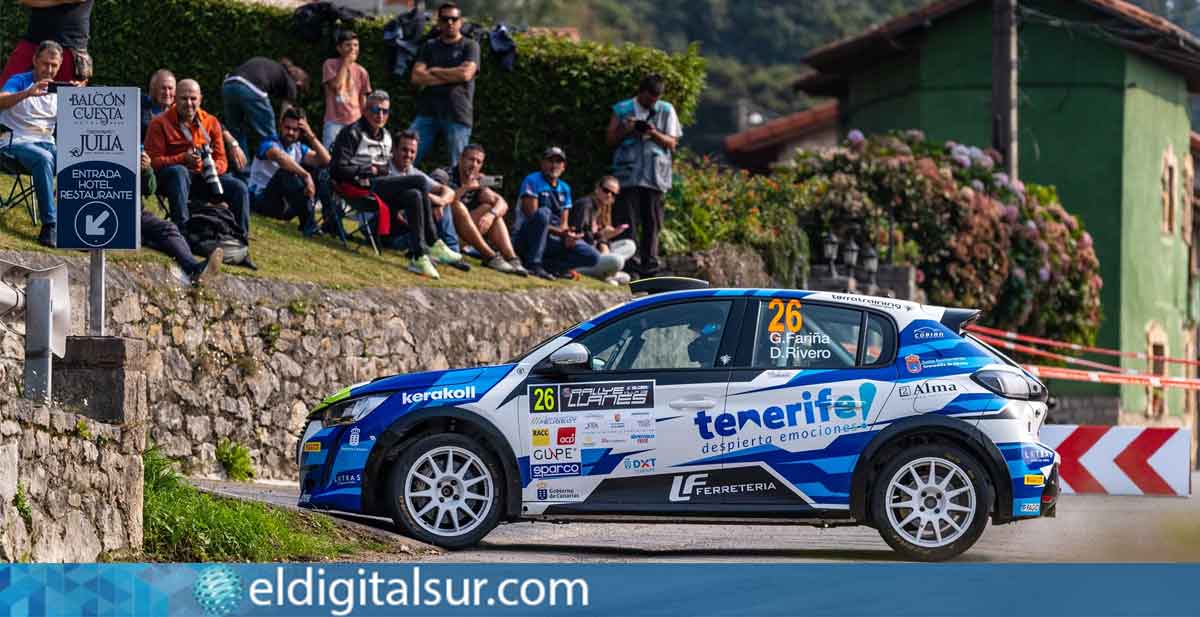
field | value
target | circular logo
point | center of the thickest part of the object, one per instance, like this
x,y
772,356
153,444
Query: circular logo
x,y
218,591
96,224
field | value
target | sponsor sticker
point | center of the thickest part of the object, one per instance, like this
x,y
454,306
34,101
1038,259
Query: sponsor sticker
x,y
946,363
928,388
555,470
547,492
354,435
547,419
683,488
1035,479
541,437
912,362
349,477
312,446
927,333
565,436
604,396
1033,508
441,394
639,464
555,454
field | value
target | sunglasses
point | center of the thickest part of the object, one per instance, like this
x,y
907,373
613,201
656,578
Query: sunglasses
x,y
608,191
449,18
382,111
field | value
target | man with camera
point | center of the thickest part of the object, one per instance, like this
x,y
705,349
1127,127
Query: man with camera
x,y
543,239
188,155
645,132
478,195
445,70
29,107
453,218
280,186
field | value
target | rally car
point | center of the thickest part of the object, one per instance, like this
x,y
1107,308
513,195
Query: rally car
x,y
691,404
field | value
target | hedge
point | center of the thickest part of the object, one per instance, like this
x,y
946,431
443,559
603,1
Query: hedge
x,y
560,92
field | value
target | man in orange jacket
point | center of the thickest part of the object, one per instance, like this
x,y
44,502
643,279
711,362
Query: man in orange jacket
x,y
187,153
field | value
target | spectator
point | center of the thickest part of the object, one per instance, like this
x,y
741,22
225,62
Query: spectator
x,y
66,22
543,238
361,156
247,91
160,97
445,69
645,131
164,237
280,186
346,87
176,141
29,108
592,217
404,153
484,205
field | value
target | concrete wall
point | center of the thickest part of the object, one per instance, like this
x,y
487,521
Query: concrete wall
x,y
246,358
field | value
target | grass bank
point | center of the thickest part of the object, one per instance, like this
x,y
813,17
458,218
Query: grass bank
x,y
183,524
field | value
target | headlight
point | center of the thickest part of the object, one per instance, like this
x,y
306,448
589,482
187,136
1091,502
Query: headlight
x,y
1011,384
353,411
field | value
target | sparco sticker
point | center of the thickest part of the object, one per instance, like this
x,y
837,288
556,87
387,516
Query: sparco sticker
x,y
605,396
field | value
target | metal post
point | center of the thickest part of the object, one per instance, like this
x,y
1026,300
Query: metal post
x,y
1004,82
96,295
37,339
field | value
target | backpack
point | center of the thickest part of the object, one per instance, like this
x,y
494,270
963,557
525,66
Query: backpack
x,y
210,226
311,20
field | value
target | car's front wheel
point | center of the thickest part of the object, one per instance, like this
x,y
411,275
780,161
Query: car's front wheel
x,y
446,490
931,502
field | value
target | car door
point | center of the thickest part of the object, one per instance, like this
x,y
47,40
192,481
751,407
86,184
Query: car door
x,y
809,381
608,438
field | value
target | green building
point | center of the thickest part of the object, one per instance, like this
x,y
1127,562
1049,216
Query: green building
x,y
1104,92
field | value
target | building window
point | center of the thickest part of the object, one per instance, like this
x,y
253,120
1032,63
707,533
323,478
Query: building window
x,y
1156,346
1170,190
1187,193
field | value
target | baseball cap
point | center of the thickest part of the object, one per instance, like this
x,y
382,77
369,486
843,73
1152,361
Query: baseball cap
x,y
554,151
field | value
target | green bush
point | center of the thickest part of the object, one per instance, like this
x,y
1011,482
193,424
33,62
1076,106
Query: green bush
x,y
235,459
182,524
560,92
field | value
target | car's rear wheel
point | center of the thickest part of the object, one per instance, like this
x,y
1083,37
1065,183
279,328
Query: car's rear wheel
x,y
446,489
931,502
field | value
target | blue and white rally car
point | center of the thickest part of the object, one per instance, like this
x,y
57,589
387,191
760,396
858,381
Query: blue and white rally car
x,y
692,404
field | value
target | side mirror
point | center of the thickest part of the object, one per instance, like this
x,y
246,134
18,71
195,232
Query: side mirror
x,y
572,357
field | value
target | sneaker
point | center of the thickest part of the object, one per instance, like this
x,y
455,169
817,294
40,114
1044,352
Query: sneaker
x,y
518,268
541,273
48,236
622,278
498,264
442,254
569,275
423,266
207,268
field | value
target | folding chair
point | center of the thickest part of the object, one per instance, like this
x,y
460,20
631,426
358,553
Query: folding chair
x,y
21,191
361,210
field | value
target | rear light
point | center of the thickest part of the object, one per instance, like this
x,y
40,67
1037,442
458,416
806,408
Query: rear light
x,y
1011,384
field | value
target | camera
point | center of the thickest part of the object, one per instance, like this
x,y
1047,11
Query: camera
x,y
55,85
208,169
641,126
491,182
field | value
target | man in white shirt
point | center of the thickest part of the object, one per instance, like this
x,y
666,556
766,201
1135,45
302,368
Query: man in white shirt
x,y
30,110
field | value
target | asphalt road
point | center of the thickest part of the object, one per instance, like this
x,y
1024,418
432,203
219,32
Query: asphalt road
x,y
1089,528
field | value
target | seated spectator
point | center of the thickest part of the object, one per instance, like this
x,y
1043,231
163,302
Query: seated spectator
x,y
164,237
592,217
246,94
347,85
280,186
361,155
189,162
485,207
451,212
544,241
30,110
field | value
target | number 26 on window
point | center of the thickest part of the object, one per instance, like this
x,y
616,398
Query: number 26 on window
x,y
787,316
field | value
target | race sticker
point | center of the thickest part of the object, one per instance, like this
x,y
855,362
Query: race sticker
x,y
613,395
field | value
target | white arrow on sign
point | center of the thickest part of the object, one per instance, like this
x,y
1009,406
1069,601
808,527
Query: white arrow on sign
x,y
93,225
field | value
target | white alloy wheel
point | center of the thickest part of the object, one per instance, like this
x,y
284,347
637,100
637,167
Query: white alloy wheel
x,y
931,502
449,491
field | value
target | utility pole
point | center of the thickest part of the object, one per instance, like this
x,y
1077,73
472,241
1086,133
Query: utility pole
x,y
1004,82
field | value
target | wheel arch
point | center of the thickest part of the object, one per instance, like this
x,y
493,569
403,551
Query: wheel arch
x,y
438,420
929,427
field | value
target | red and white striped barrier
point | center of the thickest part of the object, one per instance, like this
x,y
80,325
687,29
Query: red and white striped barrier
x,y
1122,460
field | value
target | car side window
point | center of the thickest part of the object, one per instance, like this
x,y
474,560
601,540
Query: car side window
x,y
880,340
676,336
790,334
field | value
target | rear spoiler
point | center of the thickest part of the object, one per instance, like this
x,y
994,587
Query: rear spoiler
x,y
958,318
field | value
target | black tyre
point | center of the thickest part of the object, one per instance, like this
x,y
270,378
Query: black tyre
x,y
931,502
446,489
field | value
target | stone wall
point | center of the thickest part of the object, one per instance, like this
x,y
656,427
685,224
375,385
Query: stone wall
x,y
246,358
70,486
